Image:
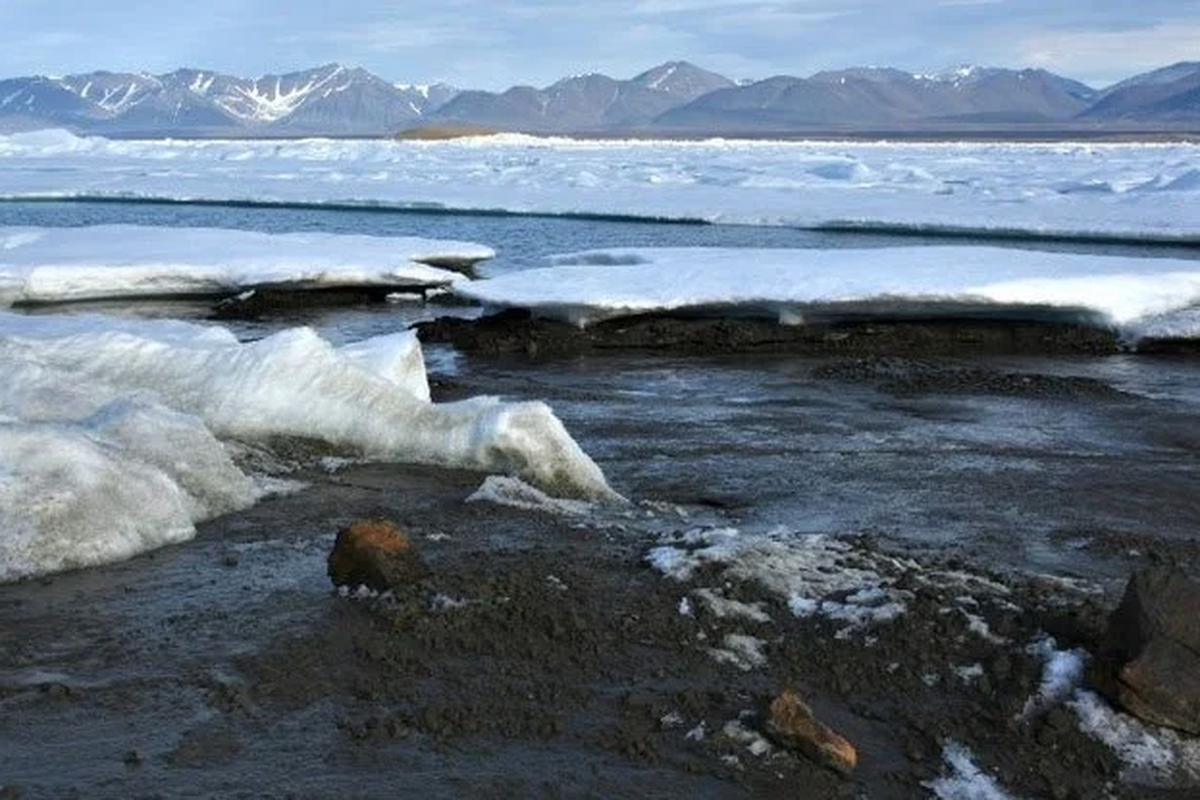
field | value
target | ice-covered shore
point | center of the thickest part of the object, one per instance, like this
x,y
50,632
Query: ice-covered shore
x,y
1140,297
114,436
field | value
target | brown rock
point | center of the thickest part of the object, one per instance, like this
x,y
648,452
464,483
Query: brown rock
x,y
792,725
1149,659
375,554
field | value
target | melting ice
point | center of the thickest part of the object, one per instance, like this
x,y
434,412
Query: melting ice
x,y
113,435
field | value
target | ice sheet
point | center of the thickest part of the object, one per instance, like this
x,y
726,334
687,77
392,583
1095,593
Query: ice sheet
x,y
1137,295
1122,190
64,264
113,434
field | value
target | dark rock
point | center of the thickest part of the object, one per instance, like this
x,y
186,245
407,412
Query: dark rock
x,y
375,554
1149,659
792,725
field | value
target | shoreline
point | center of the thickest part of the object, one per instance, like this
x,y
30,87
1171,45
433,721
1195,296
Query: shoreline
x,y
543,653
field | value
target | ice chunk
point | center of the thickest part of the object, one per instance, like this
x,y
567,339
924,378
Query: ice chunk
x,y
397,358
111,433
64,264
132,477
507,491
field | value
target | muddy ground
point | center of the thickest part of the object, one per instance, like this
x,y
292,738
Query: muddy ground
x,y
515,332
543,655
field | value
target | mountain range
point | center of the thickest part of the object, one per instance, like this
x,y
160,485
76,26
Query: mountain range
x,y
674,98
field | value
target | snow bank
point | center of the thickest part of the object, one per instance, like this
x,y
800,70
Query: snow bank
x,y
1137,295
1126,190
113,435
64,264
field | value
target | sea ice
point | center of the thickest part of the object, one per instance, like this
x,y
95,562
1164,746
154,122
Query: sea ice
x,y
1065,189
40,265
1137,295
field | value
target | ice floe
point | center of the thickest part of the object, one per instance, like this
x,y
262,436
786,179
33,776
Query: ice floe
x,y
1119,190
40,265
115,435
1139,296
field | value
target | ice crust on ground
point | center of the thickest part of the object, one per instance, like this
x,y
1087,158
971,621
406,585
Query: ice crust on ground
x,y
1150,754
1125,190
115,435
1139,296
815,574
966,781
39,265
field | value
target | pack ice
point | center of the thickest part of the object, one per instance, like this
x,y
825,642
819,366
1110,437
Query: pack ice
x,y
115,435
1135,191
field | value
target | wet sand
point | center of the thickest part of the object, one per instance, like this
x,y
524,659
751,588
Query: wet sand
x,y
544,657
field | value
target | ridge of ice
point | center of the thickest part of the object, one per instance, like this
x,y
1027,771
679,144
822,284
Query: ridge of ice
x,y
113,434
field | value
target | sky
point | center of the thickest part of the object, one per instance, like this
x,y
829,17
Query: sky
x,y
493,44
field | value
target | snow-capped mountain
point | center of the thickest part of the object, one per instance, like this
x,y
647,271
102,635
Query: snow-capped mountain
x,y
330,99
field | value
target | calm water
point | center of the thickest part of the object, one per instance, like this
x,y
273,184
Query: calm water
x,y
521,242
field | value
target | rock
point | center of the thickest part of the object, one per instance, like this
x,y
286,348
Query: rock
x,y
1149,659
375,554
792,725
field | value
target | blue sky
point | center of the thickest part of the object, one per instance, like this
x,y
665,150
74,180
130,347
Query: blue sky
x,y
491,44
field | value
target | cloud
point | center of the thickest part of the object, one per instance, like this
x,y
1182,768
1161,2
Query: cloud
x,y
1109,55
